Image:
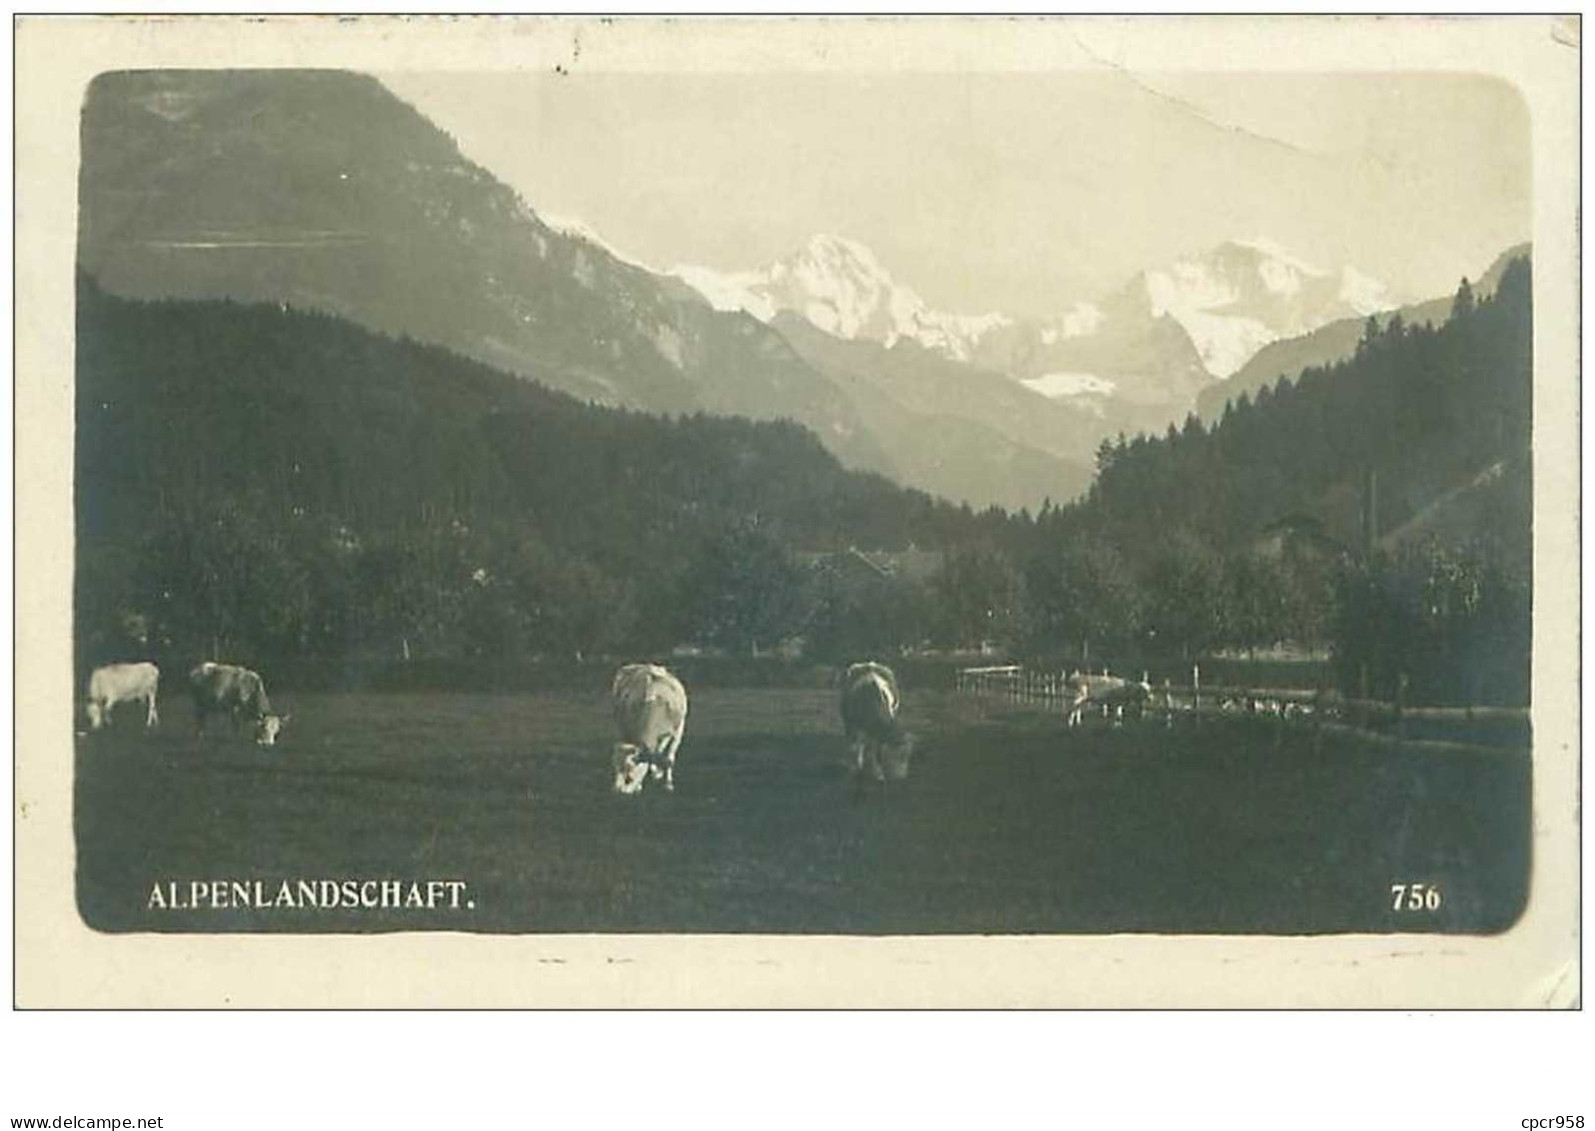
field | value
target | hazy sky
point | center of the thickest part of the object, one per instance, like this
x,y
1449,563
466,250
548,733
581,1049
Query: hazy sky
x,y
1012,192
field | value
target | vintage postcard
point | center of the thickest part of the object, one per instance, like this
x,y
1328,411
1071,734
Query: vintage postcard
x,y
837,512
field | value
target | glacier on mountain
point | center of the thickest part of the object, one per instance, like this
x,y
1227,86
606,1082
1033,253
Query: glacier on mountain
x,y
1071,385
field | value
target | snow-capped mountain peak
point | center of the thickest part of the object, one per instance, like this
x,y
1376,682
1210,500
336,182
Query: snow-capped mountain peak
x,y
1172,330
1243,294
841,286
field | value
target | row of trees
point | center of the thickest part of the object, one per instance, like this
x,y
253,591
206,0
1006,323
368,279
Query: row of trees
x,y
238,582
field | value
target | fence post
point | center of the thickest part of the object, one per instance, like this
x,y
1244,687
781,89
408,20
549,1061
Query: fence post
x,y
1362,694
1196,694
1401,705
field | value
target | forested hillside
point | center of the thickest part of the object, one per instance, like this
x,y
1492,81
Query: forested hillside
x,y
268,481
1308,514
1425,408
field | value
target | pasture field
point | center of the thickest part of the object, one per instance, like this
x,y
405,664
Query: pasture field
x,y
1010,823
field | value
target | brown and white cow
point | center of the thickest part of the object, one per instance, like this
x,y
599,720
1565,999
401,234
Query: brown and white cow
x,y
875,736
226,689
651,714
123,683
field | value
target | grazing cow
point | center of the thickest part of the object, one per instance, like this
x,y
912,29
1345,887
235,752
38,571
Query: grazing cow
x,y
239,692
870,703
1110,692
651,713
122,683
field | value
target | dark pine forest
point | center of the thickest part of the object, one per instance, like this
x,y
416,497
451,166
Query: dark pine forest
x,y
280,485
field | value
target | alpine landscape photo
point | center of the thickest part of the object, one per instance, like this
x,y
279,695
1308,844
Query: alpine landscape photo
x,y
1068,503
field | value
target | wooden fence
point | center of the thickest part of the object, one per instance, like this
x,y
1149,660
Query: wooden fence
x,y
1473,727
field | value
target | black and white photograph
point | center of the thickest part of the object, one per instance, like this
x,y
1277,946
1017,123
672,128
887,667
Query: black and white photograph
x,y
617,484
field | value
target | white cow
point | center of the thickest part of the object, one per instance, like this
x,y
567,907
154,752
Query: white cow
x,y
122,683
1110,692
238,692
651,714
870,705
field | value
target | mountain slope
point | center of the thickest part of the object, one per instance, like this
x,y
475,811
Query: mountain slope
x,y
180,402
321,189
963,432
1132,367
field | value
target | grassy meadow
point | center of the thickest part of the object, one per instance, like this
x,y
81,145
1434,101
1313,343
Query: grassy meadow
x,y
1009,822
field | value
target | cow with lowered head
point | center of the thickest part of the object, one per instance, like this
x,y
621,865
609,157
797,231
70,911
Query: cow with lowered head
x,y
878,743
1112,693
226,689
651,714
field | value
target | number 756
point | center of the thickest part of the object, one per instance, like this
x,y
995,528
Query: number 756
x,y
1414,897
